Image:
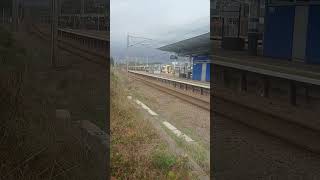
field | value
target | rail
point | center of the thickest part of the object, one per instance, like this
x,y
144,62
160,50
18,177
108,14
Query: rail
x,y
197,100
204,88
90,48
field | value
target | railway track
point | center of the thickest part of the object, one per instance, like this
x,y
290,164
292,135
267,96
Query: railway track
x,y
296,126
183,96
92,56
293,125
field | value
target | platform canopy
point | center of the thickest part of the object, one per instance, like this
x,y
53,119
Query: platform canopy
x,y
199,45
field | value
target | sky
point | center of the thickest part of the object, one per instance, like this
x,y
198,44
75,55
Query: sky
x,y
164,21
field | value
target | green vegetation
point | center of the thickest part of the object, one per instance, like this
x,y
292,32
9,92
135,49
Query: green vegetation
x,y
163,160
195,150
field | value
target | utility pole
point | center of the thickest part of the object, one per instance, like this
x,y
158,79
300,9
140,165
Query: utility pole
x,y
135,64
148,63
54,32
127,50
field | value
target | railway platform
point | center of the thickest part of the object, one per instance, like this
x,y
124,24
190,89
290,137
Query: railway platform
x,y
273,67
205,85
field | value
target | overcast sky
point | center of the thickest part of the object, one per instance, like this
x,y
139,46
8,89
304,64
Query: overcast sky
x,y
163,20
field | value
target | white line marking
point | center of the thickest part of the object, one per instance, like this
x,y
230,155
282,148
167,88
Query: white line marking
x,y
146,108
177,132
167,124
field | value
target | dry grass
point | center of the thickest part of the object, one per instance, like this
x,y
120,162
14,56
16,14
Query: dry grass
x,y
137,152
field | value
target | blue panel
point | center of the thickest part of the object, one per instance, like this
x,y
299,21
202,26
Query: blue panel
x,y
313,37
208,72
278,36
201,59
196,72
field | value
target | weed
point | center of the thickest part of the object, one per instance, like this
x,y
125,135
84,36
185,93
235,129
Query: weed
x,y
163,160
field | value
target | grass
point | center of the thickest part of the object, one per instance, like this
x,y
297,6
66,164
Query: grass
x,y
197,152
137,152
163,160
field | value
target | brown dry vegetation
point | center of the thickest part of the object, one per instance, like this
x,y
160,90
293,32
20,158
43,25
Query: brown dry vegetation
x,y
137,151
33,144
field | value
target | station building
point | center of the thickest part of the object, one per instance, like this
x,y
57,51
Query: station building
x,y
292,30
198,49
287,29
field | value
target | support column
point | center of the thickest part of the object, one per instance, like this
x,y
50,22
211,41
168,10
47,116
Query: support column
x,y
253,27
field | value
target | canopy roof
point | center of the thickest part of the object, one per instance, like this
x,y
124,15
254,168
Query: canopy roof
x,y
199,45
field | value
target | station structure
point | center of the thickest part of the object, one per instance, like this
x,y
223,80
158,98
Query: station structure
x,y
276,55
266,74
198,49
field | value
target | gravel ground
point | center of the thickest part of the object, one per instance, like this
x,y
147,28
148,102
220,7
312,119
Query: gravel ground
x,y
191,120
241,152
